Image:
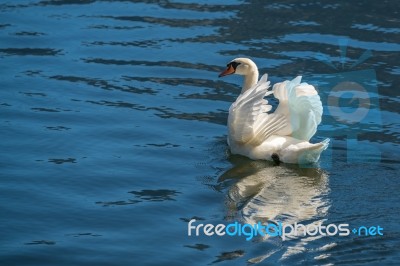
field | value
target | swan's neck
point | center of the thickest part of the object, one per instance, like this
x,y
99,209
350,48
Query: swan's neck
x,y
250,80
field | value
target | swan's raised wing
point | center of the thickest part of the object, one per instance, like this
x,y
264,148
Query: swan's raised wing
x,y
249,121
301,105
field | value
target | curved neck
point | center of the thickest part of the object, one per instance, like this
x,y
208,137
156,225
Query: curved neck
x,y
250,80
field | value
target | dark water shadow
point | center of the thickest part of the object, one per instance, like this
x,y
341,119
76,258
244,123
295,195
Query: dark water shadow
x,y
229,255
198,246
31,51
62,161
41,242
145,195
156,195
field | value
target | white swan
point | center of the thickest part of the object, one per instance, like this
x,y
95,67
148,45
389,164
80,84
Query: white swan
x,y
282,136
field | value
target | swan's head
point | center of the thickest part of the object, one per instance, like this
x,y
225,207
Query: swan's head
x,y
240,66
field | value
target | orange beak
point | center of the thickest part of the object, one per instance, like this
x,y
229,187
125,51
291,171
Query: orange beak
x,y
228,71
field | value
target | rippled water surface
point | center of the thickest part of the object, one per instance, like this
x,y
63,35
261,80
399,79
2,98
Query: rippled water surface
x,y
113,128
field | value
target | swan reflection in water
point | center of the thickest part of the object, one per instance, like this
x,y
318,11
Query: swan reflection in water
x,y
259,191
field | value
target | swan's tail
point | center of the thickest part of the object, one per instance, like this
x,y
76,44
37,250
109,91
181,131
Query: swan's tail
x,y
304,152
312,154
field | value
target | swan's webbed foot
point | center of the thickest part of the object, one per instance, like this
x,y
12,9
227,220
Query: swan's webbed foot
x,y
275,158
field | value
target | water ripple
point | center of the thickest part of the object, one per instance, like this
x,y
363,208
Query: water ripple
x,y
103,84
372,27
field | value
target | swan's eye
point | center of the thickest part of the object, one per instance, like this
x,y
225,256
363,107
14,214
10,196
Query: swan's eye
x,y
233,64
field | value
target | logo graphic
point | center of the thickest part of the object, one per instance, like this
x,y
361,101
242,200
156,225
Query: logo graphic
x,y
283,230
351,104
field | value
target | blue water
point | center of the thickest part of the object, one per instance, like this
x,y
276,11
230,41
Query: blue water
x,y
113,129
